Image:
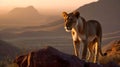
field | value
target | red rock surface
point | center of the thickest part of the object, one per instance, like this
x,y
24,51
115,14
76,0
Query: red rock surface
x,y
51,57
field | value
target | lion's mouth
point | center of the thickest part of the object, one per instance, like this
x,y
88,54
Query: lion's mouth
x,y
68,29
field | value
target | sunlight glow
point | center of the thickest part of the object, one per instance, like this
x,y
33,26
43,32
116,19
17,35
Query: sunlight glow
x,y
43,4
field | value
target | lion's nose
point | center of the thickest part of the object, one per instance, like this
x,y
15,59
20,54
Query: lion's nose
x,y
67,25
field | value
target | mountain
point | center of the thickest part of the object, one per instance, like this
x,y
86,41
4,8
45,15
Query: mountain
x,y
53,26
27,12
24,16
20,16
105,11
7,50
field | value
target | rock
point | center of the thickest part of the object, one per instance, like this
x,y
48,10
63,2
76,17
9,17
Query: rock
x,y
111,64
113,53
51,57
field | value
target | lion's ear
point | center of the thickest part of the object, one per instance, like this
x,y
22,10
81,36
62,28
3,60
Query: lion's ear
x,y
64,14
76,13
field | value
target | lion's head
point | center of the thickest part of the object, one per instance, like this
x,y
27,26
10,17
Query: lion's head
x,y
70,20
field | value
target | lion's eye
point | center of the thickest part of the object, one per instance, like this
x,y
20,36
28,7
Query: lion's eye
x,y
69,18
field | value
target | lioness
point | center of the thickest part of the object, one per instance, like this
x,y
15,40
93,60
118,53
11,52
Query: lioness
x,y
88,32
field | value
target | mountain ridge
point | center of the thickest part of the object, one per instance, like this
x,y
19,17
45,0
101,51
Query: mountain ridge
x,y
24,12
23,17
105,11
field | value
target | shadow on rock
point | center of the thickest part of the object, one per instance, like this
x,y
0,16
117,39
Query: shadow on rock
x,y
51,57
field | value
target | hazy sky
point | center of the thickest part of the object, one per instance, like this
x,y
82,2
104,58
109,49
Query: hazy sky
x,y
43,4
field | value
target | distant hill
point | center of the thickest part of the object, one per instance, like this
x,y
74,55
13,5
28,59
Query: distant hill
x,y
24,16
7,50
53,26
24,13
20,16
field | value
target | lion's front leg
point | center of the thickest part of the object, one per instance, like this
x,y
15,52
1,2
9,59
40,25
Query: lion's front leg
x,y
84,53
76,45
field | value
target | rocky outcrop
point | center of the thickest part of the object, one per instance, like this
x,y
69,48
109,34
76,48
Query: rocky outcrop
x,y
113,53
51,57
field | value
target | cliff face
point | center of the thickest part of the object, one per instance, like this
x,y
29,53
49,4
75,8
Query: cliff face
x,y
51,57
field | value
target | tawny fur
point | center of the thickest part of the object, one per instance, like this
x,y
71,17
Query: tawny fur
x,y
88,32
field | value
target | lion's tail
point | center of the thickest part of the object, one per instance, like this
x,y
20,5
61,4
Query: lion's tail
x,y
100,49
100,39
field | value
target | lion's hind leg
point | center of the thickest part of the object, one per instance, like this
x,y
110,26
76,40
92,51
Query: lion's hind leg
x,y
96,52
90,52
